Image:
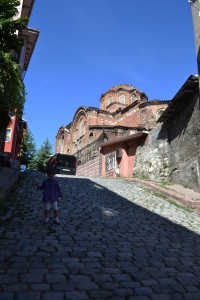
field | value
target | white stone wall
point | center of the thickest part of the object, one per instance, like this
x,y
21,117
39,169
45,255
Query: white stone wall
x,y
152,161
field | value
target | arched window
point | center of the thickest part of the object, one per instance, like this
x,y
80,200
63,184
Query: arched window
x,y
84,127
76,134
91,136
159,113
110,98
122,98
102,104
133,97
80,127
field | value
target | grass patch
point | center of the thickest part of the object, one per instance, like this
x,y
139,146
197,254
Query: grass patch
x,y
170,200
165,183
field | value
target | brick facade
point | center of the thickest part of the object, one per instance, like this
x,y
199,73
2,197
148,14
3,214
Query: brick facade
x,y
123,110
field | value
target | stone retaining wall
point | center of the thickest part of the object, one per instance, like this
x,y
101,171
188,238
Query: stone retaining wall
x,y
8,177
173,152
152,160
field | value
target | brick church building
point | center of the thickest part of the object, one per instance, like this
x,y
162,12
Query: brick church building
x,y
105,139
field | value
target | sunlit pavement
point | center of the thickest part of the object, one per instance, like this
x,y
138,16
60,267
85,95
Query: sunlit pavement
x,y
116,240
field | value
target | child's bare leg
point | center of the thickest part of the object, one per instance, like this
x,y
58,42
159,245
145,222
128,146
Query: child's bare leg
x,y
55,212
56,216
46,214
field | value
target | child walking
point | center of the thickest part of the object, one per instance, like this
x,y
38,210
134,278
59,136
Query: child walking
x,y
51,193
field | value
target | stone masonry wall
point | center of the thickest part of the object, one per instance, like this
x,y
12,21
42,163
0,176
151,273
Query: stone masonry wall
x,y
152,160
184,139
173,154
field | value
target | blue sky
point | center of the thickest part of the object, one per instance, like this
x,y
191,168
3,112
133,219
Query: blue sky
x,y
86,47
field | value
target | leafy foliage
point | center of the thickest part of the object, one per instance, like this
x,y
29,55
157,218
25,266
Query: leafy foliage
x,y
43,155
9,26
32,158
12,89
27,154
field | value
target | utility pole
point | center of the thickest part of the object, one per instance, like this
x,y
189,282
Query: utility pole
x,y
195,7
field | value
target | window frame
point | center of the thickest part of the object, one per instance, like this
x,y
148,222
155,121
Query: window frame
x,y
8,136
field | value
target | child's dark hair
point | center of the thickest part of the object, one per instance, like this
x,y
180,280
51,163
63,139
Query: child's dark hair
x,y
50,169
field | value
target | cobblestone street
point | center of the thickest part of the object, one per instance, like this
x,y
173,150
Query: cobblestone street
x,y
117,240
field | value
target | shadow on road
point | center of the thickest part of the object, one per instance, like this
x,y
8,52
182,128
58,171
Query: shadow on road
x,y
106,247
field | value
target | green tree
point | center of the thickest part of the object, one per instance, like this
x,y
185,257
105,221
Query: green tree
x,y
9,26
12,88
43,155
27,154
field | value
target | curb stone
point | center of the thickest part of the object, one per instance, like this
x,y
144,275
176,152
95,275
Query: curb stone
x,y
172,193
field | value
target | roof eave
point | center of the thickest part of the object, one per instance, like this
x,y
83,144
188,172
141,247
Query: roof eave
x,y
124,139
186,92
31,36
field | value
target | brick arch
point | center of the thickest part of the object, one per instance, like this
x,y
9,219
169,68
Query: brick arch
x,y
81,112
91,137
122,97
79,115
159,113
60,139
60,131
109,99
102,138
82,121
60,134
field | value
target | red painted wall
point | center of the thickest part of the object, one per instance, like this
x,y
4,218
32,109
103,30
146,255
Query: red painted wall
x,y
125,162
10,147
